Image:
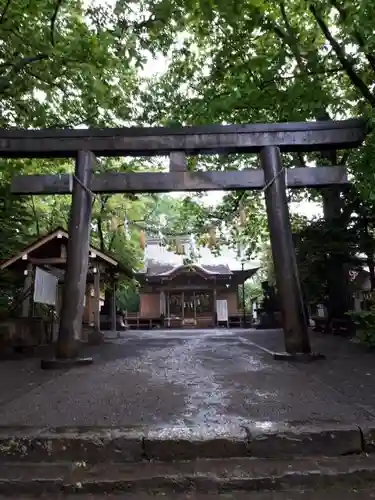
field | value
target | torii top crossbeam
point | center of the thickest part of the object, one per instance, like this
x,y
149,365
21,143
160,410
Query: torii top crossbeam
x,y
212,139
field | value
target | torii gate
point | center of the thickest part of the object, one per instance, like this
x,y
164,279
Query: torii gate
x,y
266,140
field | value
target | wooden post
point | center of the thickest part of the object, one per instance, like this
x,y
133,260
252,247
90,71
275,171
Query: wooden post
x,y
182,307
195,307
243,301
77,259
168,307
177,161
113,307
27,290
287,279
97,298
214,295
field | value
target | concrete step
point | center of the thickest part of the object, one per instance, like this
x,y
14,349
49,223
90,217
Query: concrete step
x,y
206,476
94,445
321,494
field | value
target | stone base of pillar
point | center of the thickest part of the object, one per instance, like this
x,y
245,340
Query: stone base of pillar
x,y
299,356
95,338
61,364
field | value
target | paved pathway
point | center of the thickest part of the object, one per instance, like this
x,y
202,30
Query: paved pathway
x,y
210,379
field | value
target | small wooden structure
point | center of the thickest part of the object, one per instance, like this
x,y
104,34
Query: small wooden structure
x,y
187,296
46,258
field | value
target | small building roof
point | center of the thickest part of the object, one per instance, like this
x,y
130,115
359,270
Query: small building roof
x,y
156,272
157,251
157,269
45,247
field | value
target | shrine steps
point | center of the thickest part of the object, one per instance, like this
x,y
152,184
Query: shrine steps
x,y
101,461
199,476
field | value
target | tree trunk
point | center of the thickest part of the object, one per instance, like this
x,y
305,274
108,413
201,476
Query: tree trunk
x,y
371,267
370,251
338,278
101,234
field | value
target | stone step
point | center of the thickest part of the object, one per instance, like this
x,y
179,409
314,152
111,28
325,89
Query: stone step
x,y
94,445
367,493
206,476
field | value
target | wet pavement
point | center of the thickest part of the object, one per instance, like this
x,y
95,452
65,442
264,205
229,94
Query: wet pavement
x,y
212,379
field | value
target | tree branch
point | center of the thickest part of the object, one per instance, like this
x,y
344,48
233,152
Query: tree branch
x,y
265,83
286,39
66,218
301,160
36,218
43,80
345,157
53,20
303,74
5,82
3,14
346,63
101,234
99,219
73,125
111,242
29,60
356,34
293,42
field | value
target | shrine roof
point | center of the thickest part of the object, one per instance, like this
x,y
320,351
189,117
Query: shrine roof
x,y
160,271
48,248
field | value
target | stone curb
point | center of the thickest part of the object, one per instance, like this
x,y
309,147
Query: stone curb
x,y
368,438
175,478
215,484
126,445
49,445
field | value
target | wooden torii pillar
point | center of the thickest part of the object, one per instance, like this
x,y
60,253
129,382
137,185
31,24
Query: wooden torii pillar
x,y
266,140
296,335
70,329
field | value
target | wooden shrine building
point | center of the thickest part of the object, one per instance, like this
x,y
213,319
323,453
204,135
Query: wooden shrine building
x,y
41,266
183,286
192,295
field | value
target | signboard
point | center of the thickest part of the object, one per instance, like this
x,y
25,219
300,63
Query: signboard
x,y
45,287
222,310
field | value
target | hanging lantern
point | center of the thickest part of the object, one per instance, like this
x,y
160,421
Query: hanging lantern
x,y
142,240
212,236
242,216
115,223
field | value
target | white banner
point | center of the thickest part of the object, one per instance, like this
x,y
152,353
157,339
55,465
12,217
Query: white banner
x,y
45,287
222,310
162,303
